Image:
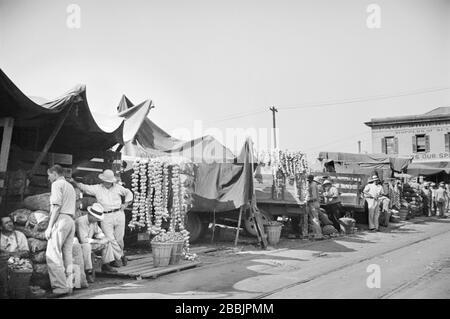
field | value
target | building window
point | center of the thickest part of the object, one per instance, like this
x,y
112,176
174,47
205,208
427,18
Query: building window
x,y
421,143
389,145
447,142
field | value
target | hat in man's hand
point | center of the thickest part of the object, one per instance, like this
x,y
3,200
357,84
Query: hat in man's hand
x,y
96,210
107,176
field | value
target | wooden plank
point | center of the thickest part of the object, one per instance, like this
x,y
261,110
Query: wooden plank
x,y
8,124
41,181
151,271
30,157
166,270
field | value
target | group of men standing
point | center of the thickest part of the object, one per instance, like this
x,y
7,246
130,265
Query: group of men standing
x,y
63,229
326,194
436,199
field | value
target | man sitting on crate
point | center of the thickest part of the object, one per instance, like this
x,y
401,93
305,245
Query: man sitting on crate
x,y
92,239
12,242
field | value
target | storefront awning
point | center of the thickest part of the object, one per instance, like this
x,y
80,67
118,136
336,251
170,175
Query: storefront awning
x,y
374,161
428,168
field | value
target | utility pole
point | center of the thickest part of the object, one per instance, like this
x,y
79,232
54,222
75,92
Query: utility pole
x,y
274,110
359,147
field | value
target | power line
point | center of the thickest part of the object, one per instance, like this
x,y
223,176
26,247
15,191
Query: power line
x,y
347,138
324,104
362,99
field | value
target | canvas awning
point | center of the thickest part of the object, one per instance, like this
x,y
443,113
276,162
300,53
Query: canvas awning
x,y
428,168
34,123
368,161
151,139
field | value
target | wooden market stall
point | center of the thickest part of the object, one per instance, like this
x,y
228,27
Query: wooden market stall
x,y
63,131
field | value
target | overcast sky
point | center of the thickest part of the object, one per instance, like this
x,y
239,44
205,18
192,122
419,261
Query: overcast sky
x,y
214,60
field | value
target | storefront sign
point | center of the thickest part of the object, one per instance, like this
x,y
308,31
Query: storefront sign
x,y
431,156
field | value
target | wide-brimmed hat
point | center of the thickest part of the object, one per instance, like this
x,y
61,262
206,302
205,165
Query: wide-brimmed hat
x,y
96,210
107,176
373,179
327,181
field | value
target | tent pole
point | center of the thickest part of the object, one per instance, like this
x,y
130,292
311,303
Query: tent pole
x,y
214,226
239,225
50,140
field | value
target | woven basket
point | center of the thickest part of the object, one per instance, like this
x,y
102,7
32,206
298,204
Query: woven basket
x,y
19,283
273,233
177,251
161,253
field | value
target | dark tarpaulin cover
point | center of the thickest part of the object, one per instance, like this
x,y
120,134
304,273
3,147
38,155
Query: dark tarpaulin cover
x,y
224,186
428,168
79,132
368,161
221,182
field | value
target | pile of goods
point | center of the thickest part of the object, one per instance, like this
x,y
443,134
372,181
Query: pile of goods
x,y
411,199
33,221
16,263
287,166
162,189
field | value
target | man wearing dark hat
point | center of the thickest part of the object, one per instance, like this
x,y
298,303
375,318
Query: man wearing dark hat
x,y
109,194
91,239
314,206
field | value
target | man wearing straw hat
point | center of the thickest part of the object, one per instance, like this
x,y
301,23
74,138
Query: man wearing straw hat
x,y
109,194
372,194
91,238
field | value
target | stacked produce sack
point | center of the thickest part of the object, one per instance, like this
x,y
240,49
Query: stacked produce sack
x,y
33,221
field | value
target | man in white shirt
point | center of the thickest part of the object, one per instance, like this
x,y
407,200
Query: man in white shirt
x,y
91,239
109,194
12,242
60,232
332,203
372,193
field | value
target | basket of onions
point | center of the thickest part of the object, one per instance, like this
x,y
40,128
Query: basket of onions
x,y
162,249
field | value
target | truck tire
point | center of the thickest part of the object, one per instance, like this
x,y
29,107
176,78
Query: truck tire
x,y
195,227
249,224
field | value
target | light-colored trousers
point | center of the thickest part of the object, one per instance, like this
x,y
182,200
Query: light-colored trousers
x,y
374,213
109,254
313,210
59,253
113,226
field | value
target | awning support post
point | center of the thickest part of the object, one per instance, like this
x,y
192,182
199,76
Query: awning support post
x,y
7,123
239,226
50,140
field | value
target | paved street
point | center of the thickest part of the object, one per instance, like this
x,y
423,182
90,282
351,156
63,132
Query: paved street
x,y
413,261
